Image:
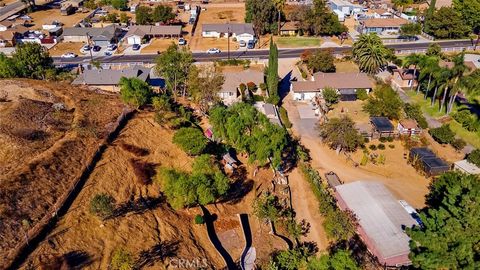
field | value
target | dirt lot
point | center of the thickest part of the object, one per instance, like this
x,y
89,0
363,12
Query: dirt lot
x,y
66,47
143,229
46,148
159,44
47,16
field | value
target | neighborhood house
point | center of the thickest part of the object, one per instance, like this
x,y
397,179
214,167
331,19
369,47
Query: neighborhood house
x,y
100,36
238,31
137,33
108,79
230,91
345,83
408,127
381,26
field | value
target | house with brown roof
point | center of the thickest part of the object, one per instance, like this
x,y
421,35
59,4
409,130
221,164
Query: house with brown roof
x,y
408,127
5,25
137,33
404,78
230,92
345,83
381,26
289,28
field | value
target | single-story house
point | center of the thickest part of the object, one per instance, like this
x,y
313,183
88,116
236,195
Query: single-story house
x,y
381,26
108,79
381,220
344,82
230,92
408,127
430,163
289,29
382,126
74,3
137,33
381,13
270,111
466,167
404,78
5,25
100,36
345,7
238,31
8,38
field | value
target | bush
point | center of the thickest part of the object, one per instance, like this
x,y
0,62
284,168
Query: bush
x,y
384,102
366,140
251,86
381,146
257,98
191,140
459,144
242,88
362,94
263,86
383,139
373,147
122,260
284,117
391,146
474,157
443,134
389,139
467,120
102,205
199,219
414,111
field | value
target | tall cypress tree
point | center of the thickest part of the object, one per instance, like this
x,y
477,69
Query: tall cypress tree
x,y
272,74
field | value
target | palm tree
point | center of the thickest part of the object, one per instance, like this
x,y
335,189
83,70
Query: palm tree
x,y
428,66
440,76
413,59
458,71
279,5
370,53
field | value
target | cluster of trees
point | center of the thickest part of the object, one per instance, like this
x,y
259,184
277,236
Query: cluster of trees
x,y
191,140
174,66
248,130
317,19
30,60
319,60
204,85
147,15
272,74
340,133
474,157
135,92
411,29
205,184
450,234
468,120
114,18
384,102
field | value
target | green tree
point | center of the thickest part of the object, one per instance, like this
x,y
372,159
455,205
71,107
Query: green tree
x,y
429,15
191,140
469,10
450,234
163,14
291,259
111,17
261,13
443,134
340,132
330,95
122,260
413,59
119,4
362,94
7,67
143,15
384,102
102,205
174,65
457,74
32,60
434,50
267,207
446,23
204,85
279,5
134,91
370,53
321,60
272,74
322,21
413,111
474,157
124,18
411,29
340,260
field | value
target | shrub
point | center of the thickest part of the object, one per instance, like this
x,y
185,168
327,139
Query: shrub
x,y
373,147
474,157
366,140
381,146
459,144
242,88
389,139
102,205
391,146
467,120
414,111
383,139
122,260
362,94
263,86
191,140
303,73
199,219
443,134
251,86
284,117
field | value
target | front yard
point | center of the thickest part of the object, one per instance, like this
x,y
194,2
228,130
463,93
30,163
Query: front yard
x,y
295,42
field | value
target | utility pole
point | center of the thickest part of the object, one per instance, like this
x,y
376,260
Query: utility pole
x,y
88,42
228,39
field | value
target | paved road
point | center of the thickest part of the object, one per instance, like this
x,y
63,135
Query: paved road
x,y
11,9
261,54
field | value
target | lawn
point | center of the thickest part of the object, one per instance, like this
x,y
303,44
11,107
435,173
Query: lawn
x,y
293,42
347,66
472,138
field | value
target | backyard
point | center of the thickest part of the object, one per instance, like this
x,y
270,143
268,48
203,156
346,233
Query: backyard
x,y
47,16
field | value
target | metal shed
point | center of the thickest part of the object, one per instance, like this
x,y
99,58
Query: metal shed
x,y
382,125
434,166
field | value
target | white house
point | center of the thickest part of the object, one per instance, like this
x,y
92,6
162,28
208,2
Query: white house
x,y
230,92
137,33
238,31
408,127
466,167
345,83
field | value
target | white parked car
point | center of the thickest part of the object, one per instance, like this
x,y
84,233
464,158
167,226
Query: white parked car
x,y
213,51
69,55
182,41
111,47
86,48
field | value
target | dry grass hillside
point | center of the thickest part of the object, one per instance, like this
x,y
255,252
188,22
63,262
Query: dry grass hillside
x,y
48,133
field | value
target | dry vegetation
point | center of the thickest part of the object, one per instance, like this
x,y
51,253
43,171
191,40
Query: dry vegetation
x,y
45,148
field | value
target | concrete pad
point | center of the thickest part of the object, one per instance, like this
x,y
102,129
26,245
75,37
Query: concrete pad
x,y
306,111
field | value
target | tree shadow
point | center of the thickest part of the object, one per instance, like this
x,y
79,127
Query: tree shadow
x,y
284,85
78,259
138,206
158,252
358,248
240,187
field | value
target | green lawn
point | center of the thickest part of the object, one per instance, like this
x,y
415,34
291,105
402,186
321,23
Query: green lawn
x,y
472,138
425,104
292,42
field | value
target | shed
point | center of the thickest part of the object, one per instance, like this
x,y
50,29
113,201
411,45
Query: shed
x,y
408,127
348,94
434,166
382,125
421,153
466,167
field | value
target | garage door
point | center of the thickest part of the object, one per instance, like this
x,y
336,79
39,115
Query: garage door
x,y
134,40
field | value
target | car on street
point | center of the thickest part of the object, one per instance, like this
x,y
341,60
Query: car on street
x,y
108,53
96,48
213,51
251,44
182,41
69,55
111,47
136,47
85,48
242,43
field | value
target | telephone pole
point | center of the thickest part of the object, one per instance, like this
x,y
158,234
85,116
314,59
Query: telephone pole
x,y
228,40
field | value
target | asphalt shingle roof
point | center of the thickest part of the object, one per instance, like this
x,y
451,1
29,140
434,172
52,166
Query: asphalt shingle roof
x,y
110,76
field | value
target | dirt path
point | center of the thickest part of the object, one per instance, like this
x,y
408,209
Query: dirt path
x,y
306,207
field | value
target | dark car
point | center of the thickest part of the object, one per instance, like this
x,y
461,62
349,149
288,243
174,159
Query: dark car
x,y
96,48
136,47
251,44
